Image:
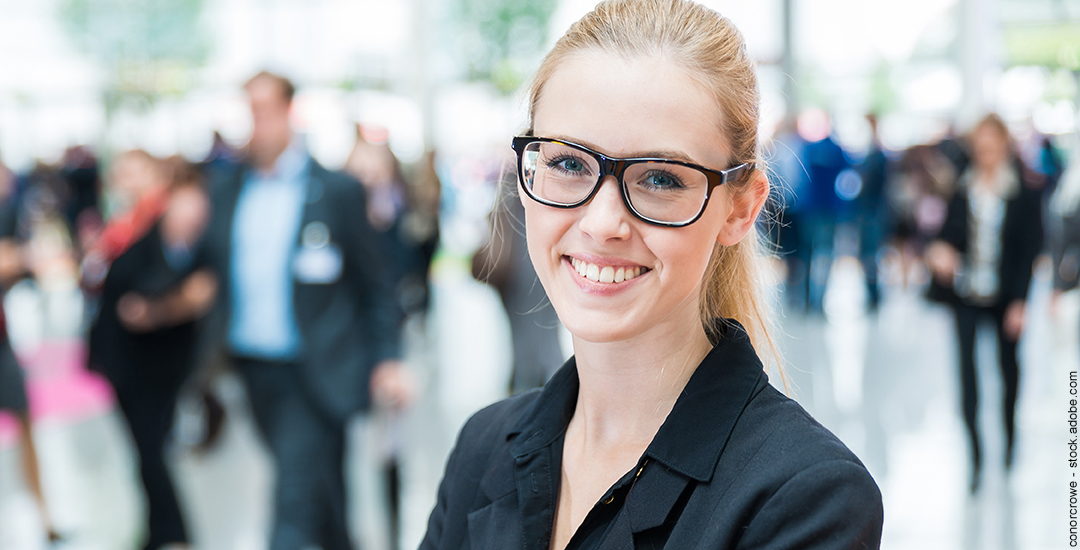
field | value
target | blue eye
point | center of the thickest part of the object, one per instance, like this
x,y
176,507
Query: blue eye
x,y
661,180
568,164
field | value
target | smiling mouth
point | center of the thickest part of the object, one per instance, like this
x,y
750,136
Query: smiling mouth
x,y
606,274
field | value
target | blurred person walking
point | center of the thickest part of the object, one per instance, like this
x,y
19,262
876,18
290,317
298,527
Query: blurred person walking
x,y
136,196
981,263
787,161
819,207
308,315
407,228
873,213
79,168
504,264
144,336
13,267
408,236
918,197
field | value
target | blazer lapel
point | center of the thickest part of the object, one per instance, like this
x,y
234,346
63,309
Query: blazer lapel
x,y
647,506
225,208
653,496
620,536
313,204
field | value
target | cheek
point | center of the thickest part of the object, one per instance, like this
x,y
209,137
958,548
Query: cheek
x,y
684,257
685,253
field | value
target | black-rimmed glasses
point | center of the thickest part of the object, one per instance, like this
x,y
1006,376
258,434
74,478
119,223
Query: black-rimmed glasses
x,y
665,192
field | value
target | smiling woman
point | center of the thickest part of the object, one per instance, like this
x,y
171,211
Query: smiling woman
x,y
641,186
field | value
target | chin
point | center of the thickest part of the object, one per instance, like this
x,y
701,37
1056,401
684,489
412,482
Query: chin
x,y
598,330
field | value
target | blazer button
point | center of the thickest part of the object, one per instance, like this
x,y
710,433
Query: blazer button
x,y
608,500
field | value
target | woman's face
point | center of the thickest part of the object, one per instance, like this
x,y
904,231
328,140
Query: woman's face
x,y
991,149
641,107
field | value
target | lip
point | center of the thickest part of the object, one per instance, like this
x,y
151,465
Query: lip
x,y
593,287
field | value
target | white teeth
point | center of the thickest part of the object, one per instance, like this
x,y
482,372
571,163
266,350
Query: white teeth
x,y
606,274
592,272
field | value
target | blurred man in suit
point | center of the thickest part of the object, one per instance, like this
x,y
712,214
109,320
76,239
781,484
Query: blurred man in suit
x,y
307,314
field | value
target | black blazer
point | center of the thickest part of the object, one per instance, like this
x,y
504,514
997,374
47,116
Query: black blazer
x,y
157,361
348,323
1021,241
735,465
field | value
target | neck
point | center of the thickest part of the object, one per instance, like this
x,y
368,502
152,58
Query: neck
x,y
988,173
628,388
265,159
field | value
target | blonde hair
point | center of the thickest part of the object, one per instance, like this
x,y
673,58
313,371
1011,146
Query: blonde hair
x,y
712,51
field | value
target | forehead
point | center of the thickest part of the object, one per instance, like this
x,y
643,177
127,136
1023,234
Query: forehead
x,y
987,131
627,106
265,90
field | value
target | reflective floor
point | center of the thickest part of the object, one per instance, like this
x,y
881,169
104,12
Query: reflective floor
x,y
885,383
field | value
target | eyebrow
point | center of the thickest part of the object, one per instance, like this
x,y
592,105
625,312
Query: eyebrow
x,y
662,154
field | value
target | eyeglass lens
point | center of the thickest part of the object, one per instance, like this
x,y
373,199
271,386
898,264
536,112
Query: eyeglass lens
x,y
565,175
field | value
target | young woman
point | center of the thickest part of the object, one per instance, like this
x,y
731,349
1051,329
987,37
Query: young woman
x,y
641,186
982,263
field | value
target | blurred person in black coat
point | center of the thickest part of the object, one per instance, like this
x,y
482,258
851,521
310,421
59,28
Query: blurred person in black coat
x,y
982,262
307,313
144,338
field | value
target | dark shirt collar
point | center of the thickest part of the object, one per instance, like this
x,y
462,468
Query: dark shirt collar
x,y
692,438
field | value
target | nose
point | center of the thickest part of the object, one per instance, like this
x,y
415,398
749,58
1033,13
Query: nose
x,y
605,217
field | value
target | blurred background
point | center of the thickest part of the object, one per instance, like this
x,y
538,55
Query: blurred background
x,y
439,84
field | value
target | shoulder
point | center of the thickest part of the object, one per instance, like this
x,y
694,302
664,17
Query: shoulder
x,y
788,443
335,181
225,179
792,428
795,477
341,189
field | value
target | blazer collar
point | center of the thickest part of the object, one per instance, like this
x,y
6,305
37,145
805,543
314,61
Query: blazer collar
x,y
549,414
696,431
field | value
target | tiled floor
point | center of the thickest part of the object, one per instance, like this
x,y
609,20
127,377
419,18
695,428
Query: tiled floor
x,y
885,384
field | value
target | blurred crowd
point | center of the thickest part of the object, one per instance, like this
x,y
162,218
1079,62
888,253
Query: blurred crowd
x,y
255,259
884,206
299,278
965,220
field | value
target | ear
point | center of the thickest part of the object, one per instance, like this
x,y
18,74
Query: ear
x,y
745,206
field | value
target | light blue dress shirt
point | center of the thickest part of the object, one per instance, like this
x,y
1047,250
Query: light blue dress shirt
x,y
264,233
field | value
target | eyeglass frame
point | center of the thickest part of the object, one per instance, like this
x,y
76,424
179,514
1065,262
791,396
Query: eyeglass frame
x,y
612,166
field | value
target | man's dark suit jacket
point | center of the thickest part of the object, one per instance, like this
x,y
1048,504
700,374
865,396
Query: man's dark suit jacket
x,y
347,325
736,465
